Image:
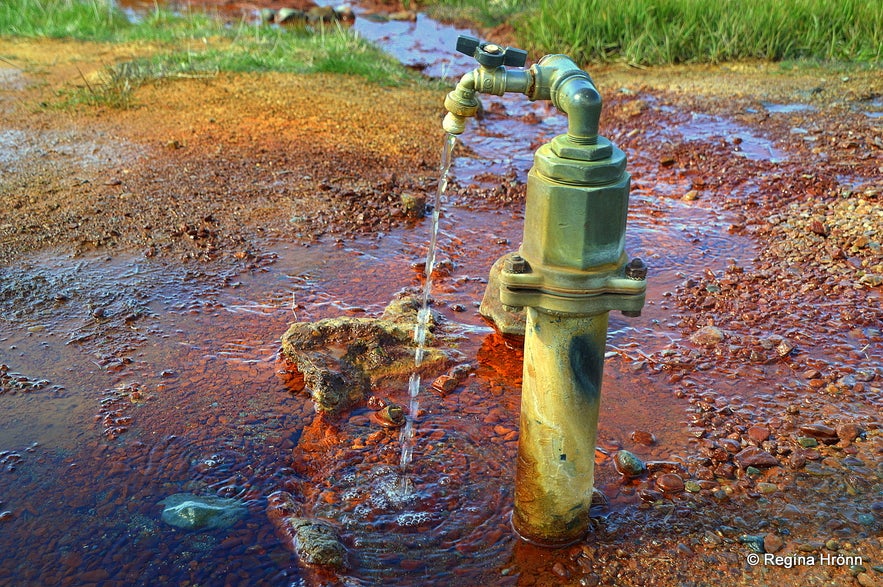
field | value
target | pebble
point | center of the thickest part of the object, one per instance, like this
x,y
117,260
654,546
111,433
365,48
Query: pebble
x,y
819,432
807,442
849,431
445,384
755,457
753,543
643,437
6,516
730,445
670,483
628,464
692,486
707,336
791,511
560,570
773,543
758,434
711,538
195,512
767,488
390,416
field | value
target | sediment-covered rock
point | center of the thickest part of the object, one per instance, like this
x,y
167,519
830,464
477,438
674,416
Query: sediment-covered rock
x,y
341,359
315,542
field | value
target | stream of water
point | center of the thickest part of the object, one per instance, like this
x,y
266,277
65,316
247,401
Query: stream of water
x,y
407,436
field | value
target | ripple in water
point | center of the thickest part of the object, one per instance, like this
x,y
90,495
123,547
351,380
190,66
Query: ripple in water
x,y
452,517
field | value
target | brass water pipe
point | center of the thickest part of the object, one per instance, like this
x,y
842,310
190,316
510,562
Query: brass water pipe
x,y
569,273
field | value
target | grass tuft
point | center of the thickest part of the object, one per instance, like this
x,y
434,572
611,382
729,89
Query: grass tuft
x,y
651,32
193,45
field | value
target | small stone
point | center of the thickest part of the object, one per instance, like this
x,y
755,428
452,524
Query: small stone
x,y
643,437
650,495
316,542
755,457
6,516
784,348
832,544
711,538
598,498
403,15
670,483
752,471
445,384
758,434
690,196
663,467
627,464
773,543
807,442
866,580
753,543
390,416
849,431
725,470
413,205
767,488
707,336
818,227
692,486
797,461
791,511
819,432
560,570
730,445
195,512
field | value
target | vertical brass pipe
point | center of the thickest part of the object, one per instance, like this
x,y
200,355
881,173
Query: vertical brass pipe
x,y
560,398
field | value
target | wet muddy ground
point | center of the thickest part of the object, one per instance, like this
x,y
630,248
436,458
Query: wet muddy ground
x,y
153,257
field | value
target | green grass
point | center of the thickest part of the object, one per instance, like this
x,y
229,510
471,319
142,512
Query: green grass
x,y
677,31
192,45
95,20
651,32
486,13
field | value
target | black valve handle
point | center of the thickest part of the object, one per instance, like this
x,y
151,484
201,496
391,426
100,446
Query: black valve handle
x,y
489,54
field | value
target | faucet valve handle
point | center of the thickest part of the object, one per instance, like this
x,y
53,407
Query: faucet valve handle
x,y
491,55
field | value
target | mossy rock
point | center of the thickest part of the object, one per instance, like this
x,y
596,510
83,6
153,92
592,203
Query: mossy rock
x,y
341,359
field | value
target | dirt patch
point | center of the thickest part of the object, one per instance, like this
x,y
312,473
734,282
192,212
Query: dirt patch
x,y
204,168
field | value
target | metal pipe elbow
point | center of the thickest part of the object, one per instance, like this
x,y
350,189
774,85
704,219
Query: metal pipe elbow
x,y
573,92
460,104
580,99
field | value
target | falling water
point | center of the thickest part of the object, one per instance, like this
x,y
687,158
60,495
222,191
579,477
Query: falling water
x,y
406,439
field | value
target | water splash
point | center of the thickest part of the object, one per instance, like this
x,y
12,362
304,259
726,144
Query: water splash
x,y
406,439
